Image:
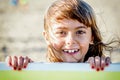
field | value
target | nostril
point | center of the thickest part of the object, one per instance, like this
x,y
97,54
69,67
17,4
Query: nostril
x,y
70,41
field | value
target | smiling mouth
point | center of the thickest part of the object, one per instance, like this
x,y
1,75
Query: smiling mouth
x,y
72,51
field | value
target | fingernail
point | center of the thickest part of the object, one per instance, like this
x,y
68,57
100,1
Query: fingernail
x,y
19,69
92,67
24,66
14,68
102,68
107,64
10,64
97,69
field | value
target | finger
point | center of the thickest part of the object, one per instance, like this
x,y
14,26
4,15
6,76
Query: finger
x,y
8,60
30,61
97,63
102,63
26,61
20,63
92,62
14,62
107,61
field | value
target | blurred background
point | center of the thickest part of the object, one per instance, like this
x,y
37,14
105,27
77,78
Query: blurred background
x,y
21,26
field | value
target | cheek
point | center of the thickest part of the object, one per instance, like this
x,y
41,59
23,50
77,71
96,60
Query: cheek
x,y
84,40
84,45
57,44
84,48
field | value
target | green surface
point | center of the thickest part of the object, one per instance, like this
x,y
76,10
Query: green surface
x,y
58,75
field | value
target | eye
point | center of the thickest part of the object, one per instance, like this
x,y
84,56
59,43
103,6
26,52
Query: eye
x,y
61,33
80,32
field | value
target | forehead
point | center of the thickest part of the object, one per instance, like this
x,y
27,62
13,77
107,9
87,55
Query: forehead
x,y
67,23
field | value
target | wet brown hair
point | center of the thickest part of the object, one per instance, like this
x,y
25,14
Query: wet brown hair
x,y
76,10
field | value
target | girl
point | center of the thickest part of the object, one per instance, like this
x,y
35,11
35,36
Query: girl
x,y
72,35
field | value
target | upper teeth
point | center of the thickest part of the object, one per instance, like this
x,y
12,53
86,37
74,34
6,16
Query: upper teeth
x,y
70,51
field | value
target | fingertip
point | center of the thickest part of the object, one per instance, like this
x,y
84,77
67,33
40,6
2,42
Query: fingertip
x,y
15,57
102,63
8,60
30,61
20,61
26,61
92,62
15,61
108,61
97,62
90,59
97,59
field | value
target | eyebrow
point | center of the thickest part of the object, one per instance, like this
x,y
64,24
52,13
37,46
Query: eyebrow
x,y
81,27
61,27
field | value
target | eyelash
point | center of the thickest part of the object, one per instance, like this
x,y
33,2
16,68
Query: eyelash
x,y
79,32
61,33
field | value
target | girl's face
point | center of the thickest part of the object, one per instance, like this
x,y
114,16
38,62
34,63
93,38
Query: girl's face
x,y
71,39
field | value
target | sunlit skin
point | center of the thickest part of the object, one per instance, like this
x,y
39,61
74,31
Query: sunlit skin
x,y
71,38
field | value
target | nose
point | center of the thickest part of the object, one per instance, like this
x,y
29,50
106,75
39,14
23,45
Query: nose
x,y
70,39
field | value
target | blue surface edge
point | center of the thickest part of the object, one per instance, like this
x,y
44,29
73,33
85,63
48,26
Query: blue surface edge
x,y
114,67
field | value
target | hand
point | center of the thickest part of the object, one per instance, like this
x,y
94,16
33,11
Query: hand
x,y
17,63
99,63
